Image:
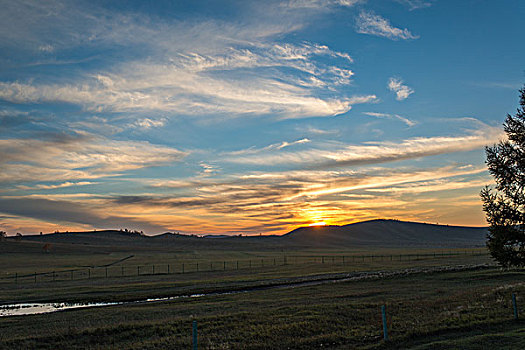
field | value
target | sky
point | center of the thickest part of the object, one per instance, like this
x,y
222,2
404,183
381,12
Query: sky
x,y
251,117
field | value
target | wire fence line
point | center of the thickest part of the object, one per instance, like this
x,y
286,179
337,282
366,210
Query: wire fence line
x,y
390,325
115,270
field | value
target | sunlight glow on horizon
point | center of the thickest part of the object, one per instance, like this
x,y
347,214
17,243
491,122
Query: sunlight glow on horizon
x,y
322,223
252,117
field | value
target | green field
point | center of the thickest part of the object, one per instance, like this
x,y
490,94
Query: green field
x,y
467,308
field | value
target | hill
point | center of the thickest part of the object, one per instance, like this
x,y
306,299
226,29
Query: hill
x,y
374,233
113,240
389,233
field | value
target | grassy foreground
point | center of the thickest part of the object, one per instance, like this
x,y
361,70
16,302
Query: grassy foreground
x,y
463,309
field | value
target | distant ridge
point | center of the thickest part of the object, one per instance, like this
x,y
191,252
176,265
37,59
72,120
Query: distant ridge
x,y
374,233
390,233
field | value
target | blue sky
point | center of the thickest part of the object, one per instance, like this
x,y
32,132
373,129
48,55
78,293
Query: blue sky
x,y
248,116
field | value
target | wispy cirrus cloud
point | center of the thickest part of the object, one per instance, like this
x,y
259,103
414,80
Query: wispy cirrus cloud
x,y
402,91
432,186
52,187
275,146
212,68
322,3
377,152
73,157
370,23
416,4
316,131
407,121
148,123
195,84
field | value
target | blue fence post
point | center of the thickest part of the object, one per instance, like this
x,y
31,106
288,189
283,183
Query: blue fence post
x,y
194,335
385,327
515,305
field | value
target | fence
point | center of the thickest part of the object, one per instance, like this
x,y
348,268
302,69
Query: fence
x,y
115,271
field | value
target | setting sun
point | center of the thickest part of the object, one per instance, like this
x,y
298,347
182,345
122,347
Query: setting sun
x,y
322,223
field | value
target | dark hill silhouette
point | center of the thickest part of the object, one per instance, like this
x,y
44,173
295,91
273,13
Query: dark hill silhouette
x,y
374,233
113,240
389,233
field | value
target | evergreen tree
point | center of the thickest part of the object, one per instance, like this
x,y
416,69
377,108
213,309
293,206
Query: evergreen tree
x,y
504,205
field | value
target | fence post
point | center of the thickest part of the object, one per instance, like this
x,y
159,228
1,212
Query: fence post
x,y
106,272
515,306
182,267
168,269
385,327
194,335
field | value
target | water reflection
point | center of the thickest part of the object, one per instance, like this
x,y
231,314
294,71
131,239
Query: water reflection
x,y
43,308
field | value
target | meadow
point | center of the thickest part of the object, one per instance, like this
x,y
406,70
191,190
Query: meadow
x,y
272,307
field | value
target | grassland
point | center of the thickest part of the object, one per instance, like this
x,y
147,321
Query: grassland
x,y
460,309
